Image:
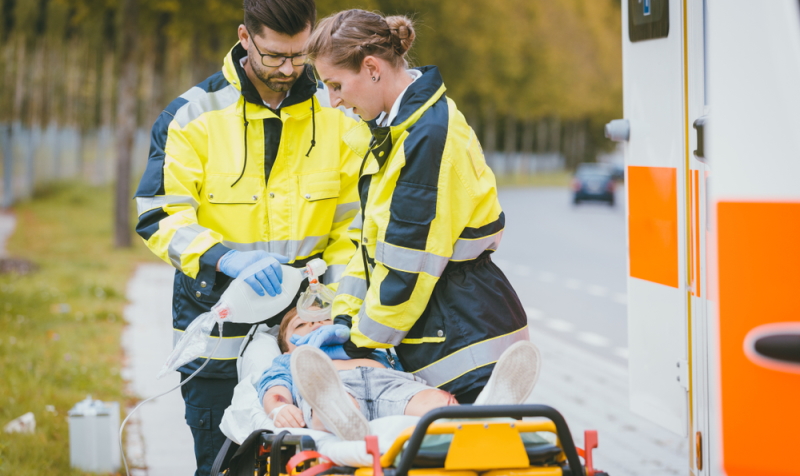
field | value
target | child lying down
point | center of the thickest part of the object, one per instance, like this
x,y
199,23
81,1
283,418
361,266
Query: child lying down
x,y
305,388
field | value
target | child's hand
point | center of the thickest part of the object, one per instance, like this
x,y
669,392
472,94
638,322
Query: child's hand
x,y
289,416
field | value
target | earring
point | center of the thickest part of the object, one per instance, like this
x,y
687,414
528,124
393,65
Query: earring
x,y
375,80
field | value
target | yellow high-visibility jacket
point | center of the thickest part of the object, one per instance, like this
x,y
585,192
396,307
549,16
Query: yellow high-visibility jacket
x,y
429,221
227,172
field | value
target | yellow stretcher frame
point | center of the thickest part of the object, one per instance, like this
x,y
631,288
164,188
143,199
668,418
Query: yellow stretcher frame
x,y
479,447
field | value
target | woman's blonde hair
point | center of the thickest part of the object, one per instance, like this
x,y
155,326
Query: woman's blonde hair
x,y
345,38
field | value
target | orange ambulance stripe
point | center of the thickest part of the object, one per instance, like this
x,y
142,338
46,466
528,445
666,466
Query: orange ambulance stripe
x,y
653,224
759,259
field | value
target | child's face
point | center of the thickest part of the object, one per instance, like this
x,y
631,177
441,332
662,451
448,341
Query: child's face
x,y
300,327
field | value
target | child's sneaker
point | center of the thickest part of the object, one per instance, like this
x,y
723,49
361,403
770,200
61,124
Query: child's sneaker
x,y
317,380
513,377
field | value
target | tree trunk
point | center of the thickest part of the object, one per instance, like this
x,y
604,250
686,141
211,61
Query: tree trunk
x,y
510,143
541,136
126,124
555,136
21,80
526,159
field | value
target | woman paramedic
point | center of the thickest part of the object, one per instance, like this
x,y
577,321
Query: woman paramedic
x,y
423,280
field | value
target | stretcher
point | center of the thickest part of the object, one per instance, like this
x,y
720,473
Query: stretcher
x,y
463,440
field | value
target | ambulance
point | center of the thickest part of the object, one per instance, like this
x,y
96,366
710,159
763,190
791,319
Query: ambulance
x,y
711,137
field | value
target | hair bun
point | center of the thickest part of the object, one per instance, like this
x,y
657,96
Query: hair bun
x,y
402,29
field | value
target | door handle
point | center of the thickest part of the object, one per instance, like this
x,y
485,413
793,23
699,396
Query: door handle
x,y
783,347
700,126
775,346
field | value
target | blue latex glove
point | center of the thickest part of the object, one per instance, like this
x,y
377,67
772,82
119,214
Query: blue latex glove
x,y
268,279
328,339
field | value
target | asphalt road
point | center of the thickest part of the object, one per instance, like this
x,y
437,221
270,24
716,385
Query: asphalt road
x,y
568,265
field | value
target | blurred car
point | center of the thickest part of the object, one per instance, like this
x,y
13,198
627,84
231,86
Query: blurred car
x,y
593,182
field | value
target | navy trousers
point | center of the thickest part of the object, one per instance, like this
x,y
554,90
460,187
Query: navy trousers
x,y
206,400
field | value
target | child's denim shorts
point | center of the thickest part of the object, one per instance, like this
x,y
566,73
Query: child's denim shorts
x,y
379,392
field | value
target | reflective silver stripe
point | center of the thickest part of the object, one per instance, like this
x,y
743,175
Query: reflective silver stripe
x,y
469,358
334,273
378,332
406,259
417,261
356,223
345,211
292,249
201,102
144,204
181,240
353,286
228,348
471,249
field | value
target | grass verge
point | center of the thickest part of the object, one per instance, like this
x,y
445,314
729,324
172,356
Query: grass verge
x,y
541,179
60,326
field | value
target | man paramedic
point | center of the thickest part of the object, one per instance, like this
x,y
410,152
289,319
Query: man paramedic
x,y
247,165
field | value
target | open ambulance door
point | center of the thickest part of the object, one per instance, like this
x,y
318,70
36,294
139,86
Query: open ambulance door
x,y
754,150
664,94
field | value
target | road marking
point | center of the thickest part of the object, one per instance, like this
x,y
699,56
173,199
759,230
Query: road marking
x,y
593,339
598,291
621,298
621,352
546,277
522,270
572,283
534,314
559,325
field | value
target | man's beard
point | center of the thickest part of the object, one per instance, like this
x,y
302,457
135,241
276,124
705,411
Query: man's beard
x,y
277,86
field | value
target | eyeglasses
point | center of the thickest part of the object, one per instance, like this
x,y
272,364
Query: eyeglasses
x,y
276,61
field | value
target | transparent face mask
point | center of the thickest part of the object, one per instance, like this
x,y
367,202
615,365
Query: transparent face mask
x,y
315,302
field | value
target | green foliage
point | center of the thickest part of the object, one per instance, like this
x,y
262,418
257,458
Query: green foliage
x,y
529,59
61,325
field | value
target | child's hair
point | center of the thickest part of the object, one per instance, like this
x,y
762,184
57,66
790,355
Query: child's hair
x,y
282,345
345,38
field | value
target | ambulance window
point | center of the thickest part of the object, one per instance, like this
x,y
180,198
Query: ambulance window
x,y
648,19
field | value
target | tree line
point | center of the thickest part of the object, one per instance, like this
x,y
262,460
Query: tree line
x,y
530,75
505,62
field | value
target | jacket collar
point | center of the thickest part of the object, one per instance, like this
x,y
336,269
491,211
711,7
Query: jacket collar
x,y
418,98
303,89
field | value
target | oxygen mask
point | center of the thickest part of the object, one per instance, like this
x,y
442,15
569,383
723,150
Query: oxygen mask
x,y
315,302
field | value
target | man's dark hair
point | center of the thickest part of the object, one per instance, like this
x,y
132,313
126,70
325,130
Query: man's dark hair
x,y
289,17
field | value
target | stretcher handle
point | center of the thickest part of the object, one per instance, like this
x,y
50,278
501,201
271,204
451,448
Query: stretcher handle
x,y
491,411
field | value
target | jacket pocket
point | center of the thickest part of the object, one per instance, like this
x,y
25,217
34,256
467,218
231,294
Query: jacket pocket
x,y
432,325
413,203
199,418
320,185
218,190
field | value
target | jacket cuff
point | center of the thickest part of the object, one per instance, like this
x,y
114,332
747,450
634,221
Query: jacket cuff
x,y
355,352
207,276
344,320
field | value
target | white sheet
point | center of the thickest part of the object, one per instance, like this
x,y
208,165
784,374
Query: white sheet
x,y
246,413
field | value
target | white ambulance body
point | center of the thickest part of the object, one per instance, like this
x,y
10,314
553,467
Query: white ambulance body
x,y
712,122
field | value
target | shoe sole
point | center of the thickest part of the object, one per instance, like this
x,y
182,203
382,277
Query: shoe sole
x,y
514,375
322,388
